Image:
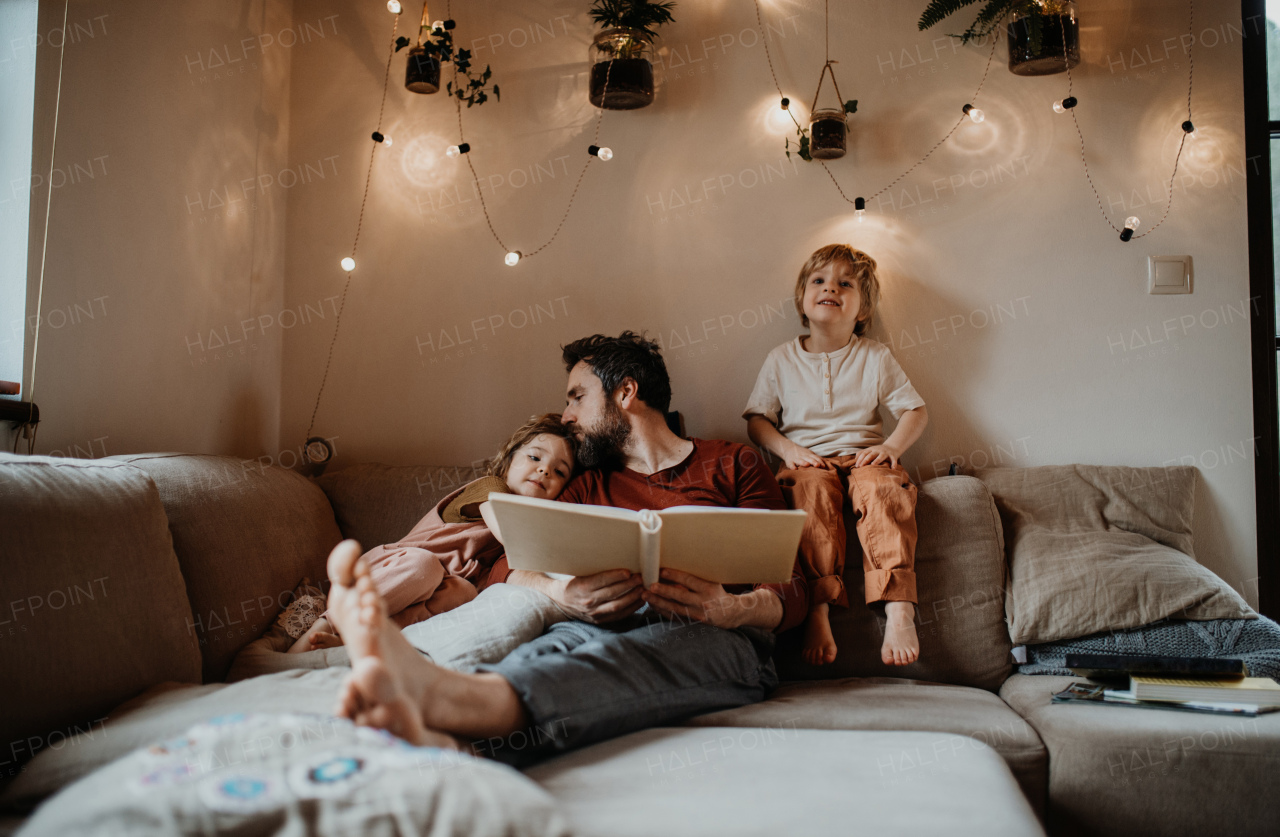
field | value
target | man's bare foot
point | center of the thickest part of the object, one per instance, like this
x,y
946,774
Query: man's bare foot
x,y
901,645
391,683
819,644
373,698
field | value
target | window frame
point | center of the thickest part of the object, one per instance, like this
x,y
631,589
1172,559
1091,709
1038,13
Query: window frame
x,y
1259,131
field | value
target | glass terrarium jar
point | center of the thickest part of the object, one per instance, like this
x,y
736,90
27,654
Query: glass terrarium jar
x,y
1044,39
827,134
621,70
422,72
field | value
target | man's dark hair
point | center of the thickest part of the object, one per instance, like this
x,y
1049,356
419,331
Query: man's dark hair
x,y
629,355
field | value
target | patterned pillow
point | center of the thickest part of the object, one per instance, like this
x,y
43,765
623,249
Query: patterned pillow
x,y
297,774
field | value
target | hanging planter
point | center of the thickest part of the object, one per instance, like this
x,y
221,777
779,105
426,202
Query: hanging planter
x,y
1044,39
433,50
826,136
422,72
621,70
621,55
1043,35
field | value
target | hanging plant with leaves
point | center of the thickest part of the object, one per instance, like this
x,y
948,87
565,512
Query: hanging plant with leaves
x,y
802,134
992,13
641,15
473,85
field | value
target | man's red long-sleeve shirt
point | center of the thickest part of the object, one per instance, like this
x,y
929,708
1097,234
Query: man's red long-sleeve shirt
x,y
717,473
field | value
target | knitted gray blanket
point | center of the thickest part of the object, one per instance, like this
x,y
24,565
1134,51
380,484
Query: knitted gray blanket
x,y
1256,641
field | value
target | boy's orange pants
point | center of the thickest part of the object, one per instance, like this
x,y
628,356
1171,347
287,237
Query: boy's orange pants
x,y
884,506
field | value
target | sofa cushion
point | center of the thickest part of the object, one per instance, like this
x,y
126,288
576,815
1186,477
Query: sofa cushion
x,y
94,609
1099,548
714,781
960,584
245,535
293,773
1138,771
377,504
885,703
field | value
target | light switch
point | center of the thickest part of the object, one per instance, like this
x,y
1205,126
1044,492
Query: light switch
x,y
1168,274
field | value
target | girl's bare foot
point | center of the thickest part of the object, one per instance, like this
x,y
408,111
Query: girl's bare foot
x,y
819,644
901,645
324,639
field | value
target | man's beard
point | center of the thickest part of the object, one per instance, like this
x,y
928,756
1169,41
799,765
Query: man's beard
x,y
601,445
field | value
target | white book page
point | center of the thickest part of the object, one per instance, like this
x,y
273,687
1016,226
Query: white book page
x,y
731,546
567,538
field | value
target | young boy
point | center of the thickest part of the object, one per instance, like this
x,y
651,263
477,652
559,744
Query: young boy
x,y
815,406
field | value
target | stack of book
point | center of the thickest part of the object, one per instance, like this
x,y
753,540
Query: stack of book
x,y
1181,683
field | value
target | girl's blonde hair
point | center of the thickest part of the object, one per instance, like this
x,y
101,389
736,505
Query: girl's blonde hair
x,y
864,273
549,424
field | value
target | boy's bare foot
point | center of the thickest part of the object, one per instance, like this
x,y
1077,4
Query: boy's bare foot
x,y
391,683
819,644
901,645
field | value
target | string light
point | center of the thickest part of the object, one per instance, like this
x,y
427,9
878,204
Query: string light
x,y
1064,105
976,114
386,141
605,154
348,264
786,103
859,208
437,26
455,150
513,258
393,6
1189,129
377,137
1130,225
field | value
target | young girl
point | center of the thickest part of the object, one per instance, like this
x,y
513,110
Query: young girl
x,y
815,406
441,563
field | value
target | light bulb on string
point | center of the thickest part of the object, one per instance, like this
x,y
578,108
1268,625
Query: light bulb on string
x,y
437,26
1064,105
513,258
455,150
1130,224
393,6
604,153
976,114
386,140
1190,129
348,264
786,103
860,208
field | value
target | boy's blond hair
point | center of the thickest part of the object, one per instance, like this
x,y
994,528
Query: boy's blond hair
x,y
864,272
548,424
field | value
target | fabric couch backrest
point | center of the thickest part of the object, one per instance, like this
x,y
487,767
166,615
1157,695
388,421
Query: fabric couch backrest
x,y
960,576
245,535
94,608
377,504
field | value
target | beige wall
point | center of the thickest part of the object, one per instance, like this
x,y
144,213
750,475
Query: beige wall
x,y
143,262
1014,308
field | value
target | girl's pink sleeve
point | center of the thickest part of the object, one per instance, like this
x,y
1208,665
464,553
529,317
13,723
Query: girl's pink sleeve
x,y
404,575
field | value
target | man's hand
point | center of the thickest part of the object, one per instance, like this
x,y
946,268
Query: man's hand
x,y
877,454
798,456
600,598
684,596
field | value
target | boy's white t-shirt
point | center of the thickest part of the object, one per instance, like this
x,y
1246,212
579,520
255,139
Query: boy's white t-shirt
x,y
827,402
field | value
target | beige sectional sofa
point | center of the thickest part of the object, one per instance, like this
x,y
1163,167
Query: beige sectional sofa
x,y
132,583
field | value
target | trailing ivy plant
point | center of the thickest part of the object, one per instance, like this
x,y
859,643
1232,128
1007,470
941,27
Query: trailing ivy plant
x,y
474,87
992,13
802,143
641,15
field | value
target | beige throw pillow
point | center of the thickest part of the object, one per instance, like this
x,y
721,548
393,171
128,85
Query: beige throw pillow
x,y
1097,548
